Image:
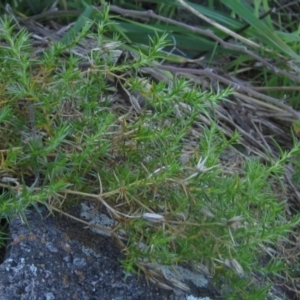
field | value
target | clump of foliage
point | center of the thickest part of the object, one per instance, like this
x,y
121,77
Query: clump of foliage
x,y
73,127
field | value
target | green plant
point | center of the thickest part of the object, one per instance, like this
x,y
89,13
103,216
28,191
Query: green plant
x,y
156,167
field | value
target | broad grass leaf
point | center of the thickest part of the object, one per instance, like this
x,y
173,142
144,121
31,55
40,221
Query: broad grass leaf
x,y
265,34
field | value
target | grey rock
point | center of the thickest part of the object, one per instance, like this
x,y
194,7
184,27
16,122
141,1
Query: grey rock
x,y
57,258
